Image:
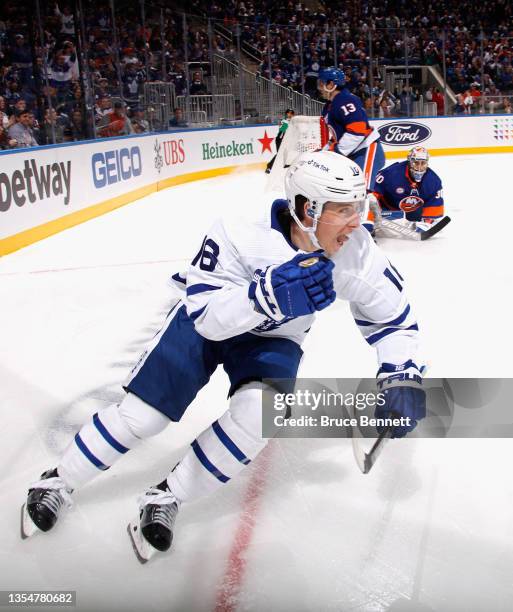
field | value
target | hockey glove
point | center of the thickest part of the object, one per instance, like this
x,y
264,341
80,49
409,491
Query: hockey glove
x,y
295,288
403,396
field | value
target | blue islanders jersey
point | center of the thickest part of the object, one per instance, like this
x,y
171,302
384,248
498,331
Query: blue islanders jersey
x,y
395,190
348,124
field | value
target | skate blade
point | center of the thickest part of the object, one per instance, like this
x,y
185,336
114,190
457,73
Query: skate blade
x,y
142,549
28,527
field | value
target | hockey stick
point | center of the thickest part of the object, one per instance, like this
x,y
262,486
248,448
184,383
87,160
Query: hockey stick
x,y
364,460
406,232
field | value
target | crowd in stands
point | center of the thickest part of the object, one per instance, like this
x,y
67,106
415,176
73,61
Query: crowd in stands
x,y
477,38
39,70
93,76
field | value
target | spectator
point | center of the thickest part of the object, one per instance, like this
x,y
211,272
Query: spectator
x,y
133,79
115,123
66,20
178,120
4,117
198,87
139,123
5,141
12,94
386,104
21,59
406,100
102,108
21,132
468,102
438,99
459,108
47,133
35,127
474,91
61,75
76,129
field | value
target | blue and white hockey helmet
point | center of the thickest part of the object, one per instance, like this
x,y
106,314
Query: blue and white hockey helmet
x,y
321,177
418,162
335,75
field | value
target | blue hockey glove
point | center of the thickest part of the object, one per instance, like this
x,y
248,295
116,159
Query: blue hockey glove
x,y
295,288
403,396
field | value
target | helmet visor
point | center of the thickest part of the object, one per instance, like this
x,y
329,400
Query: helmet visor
x,y
338,213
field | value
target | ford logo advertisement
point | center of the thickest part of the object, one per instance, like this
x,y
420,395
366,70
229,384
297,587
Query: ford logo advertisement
x,y
403,134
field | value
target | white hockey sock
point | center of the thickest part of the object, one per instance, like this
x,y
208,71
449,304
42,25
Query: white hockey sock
x,y
222,450
108,436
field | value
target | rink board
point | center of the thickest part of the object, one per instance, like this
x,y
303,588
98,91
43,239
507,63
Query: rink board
x,y
46,190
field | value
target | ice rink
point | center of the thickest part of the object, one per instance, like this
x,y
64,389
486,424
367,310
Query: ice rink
x,y
429,529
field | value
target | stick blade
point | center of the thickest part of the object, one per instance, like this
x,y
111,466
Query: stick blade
x,y
365,461
27,526
435,229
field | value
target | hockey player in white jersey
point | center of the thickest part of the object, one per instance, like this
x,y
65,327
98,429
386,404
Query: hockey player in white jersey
x,y
247,301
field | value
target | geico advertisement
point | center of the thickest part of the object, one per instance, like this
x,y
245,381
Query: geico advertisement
x,y
116,165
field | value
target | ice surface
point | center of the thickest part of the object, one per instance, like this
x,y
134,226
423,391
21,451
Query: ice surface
x,y
430,528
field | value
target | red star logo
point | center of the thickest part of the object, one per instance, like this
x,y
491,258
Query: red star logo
x,y
266,142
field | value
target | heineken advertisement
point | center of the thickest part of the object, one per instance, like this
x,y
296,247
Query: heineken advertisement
x,y
219,151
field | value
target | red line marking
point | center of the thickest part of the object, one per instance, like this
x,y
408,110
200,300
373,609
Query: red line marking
x,y
95,267
228,592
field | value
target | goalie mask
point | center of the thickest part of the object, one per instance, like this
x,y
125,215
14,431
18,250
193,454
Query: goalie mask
x,y
321,177
418,159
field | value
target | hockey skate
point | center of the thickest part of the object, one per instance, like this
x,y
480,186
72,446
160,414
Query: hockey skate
x,y
45,499
153,531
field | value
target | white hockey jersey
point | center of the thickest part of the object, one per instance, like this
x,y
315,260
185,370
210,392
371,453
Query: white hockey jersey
x,y
215,287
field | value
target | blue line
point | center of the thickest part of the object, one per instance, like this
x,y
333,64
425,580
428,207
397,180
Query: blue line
x,y
107,436
230,444
206,463
92,458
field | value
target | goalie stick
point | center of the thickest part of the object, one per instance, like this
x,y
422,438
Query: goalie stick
x,y
406,232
